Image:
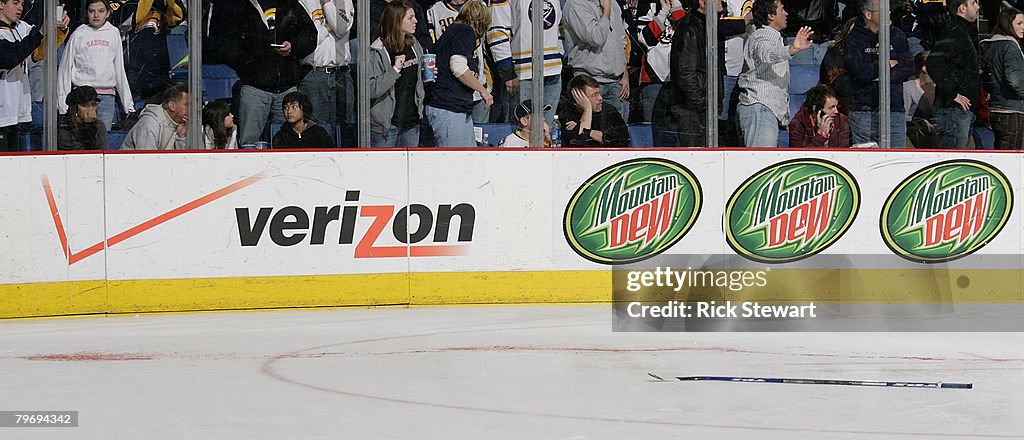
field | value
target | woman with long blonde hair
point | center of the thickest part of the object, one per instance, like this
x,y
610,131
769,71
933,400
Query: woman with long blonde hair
x,y
450,107
396,82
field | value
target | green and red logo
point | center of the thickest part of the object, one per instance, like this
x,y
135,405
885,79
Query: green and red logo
x,y
632,211
791,210
946,211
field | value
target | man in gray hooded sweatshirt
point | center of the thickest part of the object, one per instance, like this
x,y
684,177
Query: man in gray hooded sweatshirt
x,y
164,126
597,46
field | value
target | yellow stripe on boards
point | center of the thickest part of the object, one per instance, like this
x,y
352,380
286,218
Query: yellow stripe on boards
x,y
864,286
55,298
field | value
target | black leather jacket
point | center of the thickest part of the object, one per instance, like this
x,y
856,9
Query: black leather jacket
x,y
252,56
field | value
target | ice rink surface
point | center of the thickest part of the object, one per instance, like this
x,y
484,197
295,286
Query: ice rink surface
x,y
513,372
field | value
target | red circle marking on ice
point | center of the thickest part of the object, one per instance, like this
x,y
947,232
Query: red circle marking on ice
x,y
90,357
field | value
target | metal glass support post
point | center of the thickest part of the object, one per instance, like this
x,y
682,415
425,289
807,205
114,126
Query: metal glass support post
x,y
714,76
537,73
884,95
50,81
195,74
362,72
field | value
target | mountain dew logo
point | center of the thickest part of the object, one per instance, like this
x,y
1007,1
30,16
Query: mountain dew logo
x,y
791,210
946,211
632,211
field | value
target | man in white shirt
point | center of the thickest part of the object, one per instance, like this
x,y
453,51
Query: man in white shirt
x,y
329,84
764,99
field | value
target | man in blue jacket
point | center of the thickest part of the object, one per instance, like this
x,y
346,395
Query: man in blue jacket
x,y
862,65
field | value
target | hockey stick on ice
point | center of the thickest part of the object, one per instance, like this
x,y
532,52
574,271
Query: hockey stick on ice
x,y
860,383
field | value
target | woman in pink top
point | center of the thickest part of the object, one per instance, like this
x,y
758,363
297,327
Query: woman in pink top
x,y
94,57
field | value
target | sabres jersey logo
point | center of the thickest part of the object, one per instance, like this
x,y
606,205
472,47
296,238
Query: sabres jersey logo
x,y
549,14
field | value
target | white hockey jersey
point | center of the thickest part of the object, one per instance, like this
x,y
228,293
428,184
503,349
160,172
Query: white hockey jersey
x,y
15,94
734,45
510,38
332,22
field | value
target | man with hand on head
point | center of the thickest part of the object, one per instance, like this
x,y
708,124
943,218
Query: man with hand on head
x,y
588,122
164,126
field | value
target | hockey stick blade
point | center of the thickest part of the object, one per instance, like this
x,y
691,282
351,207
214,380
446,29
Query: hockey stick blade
x,y
862,383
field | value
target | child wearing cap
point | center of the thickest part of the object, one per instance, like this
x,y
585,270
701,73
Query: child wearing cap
x,y
81,130
521,137
17,41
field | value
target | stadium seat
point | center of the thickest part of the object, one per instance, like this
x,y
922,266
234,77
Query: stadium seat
x,y
496,132
218,80
115,139
640,136
795,101
177,48
802,78
783,138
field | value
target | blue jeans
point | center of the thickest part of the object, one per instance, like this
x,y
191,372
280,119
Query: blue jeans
x,y
864,128
481,113
254,105
36,76
332,95
954,124
730,85
610,94
451,129
760,126
394,138
649,94
915,45
552,93
105,110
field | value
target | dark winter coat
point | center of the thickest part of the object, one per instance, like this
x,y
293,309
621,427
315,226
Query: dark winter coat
x,y
614,131
255,60
87,136
144,34
1003,65
953,64
821,15
862,66
689,64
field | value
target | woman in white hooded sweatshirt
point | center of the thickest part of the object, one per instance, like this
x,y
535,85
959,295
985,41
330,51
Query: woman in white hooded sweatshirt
x,y
94,57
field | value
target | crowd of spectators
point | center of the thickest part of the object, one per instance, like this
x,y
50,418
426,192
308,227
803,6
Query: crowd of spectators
x,y
439,69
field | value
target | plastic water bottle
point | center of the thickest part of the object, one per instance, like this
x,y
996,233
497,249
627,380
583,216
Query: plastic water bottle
x,y
556,133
